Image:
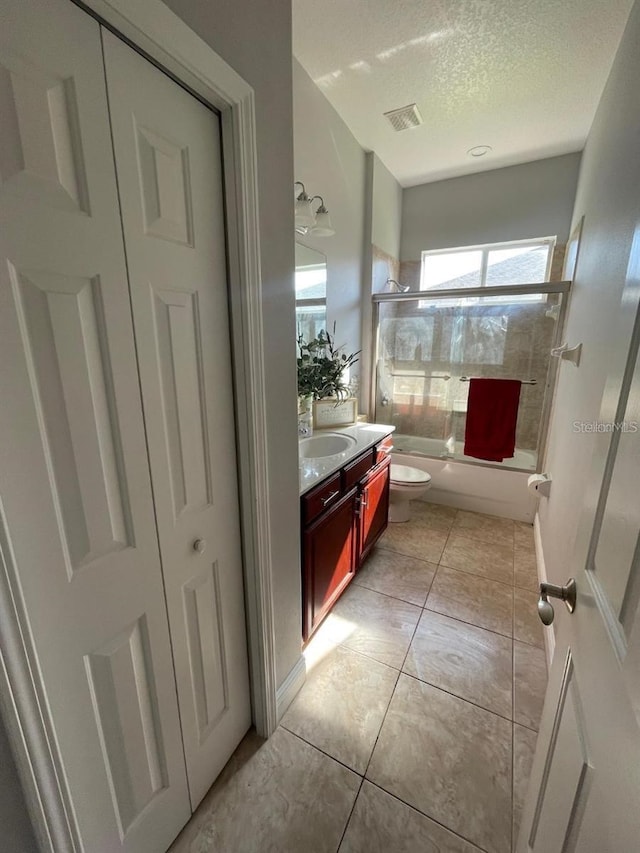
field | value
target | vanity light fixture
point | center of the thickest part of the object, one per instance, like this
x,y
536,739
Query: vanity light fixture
x,y
309,221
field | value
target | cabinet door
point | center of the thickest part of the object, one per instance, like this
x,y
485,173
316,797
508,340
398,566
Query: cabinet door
x,y
328,560
374,509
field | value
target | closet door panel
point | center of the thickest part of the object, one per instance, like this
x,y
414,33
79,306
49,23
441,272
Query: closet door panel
x,y
168,161
77,529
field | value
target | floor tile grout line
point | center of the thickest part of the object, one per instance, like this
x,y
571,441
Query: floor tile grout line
x,y
512,640
406,654
525,726
513,760
393,693
457,696
444,547
476,575
388,594
424,607
471,624
364,775
384,717
381,547
412,556
367,656
525,588
353,808
323,751
401,671
513,677
462,534
465,622
424,814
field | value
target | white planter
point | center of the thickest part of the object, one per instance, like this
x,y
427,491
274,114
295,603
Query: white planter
x,y
329,413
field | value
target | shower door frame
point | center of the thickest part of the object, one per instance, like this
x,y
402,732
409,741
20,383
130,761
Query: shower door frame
x,y
542,288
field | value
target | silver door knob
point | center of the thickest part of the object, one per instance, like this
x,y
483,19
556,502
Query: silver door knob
x,y
566,593
200,545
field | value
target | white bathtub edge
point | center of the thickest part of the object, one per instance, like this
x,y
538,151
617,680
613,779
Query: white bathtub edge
x,y
475,488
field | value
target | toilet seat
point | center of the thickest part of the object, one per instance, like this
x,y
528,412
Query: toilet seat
x,y
405,475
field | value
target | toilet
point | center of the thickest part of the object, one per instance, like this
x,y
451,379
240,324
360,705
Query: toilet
x,y
406,484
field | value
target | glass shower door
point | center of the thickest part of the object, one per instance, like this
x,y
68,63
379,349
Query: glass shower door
x,y
429,346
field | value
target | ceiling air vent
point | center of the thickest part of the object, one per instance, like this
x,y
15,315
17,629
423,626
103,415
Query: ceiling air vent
x,y
405,118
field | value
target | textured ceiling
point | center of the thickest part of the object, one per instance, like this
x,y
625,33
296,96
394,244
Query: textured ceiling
x,y
523,76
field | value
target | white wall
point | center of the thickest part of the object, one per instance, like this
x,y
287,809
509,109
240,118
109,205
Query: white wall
x,y
386,209
330,163
609,198
255,39
383,223
532,200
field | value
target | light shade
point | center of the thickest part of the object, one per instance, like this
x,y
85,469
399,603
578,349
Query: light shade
x,y
323,226
304,216
308,221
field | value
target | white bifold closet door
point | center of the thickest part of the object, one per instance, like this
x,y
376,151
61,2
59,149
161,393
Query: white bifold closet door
x,y
169,167
78,531
138,633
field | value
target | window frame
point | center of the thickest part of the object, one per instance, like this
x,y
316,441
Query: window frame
x,y
486,248
313,302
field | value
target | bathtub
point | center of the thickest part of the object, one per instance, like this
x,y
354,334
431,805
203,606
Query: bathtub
x,y
467,483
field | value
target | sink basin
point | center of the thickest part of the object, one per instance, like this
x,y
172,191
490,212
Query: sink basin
x,y
328,444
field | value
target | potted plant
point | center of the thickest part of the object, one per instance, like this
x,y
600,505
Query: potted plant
x,y
321,378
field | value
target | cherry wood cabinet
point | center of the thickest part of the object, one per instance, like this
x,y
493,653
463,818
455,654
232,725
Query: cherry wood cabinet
x,y
373,509
342,518
329,560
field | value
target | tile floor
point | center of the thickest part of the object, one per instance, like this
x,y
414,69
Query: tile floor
x,y
416,728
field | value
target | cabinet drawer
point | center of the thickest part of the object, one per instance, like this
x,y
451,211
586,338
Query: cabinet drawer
x,y
321,498
383,450
355,471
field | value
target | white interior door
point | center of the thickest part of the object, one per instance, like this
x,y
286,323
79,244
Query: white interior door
x,y
168,161
77,529
584,794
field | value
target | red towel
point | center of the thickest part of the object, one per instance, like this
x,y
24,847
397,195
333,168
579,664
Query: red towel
x,y
492,414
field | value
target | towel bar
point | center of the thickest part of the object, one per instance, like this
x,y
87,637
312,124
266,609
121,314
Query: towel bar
x,y
522,381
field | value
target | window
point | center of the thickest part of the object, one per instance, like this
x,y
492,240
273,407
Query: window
x,y
311,299
491,265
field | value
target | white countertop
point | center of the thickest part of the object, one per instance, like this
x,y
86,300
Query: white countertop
x,y
313,471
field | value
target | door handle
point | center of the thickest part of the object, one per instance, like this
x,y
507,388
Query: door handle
x,y
567,593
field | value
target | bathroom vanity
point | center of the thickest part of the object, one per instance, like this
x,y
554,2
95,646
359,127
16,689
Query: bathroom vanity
x,y
344,508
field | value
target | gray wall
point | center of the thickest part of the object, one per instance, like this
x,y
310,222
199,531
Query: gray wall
x,y
531,200
330,163
609,198
255,39
386,209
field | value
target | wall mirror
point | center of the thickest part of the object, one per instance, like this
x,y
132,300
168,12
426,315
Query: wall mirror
x,y
311,291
